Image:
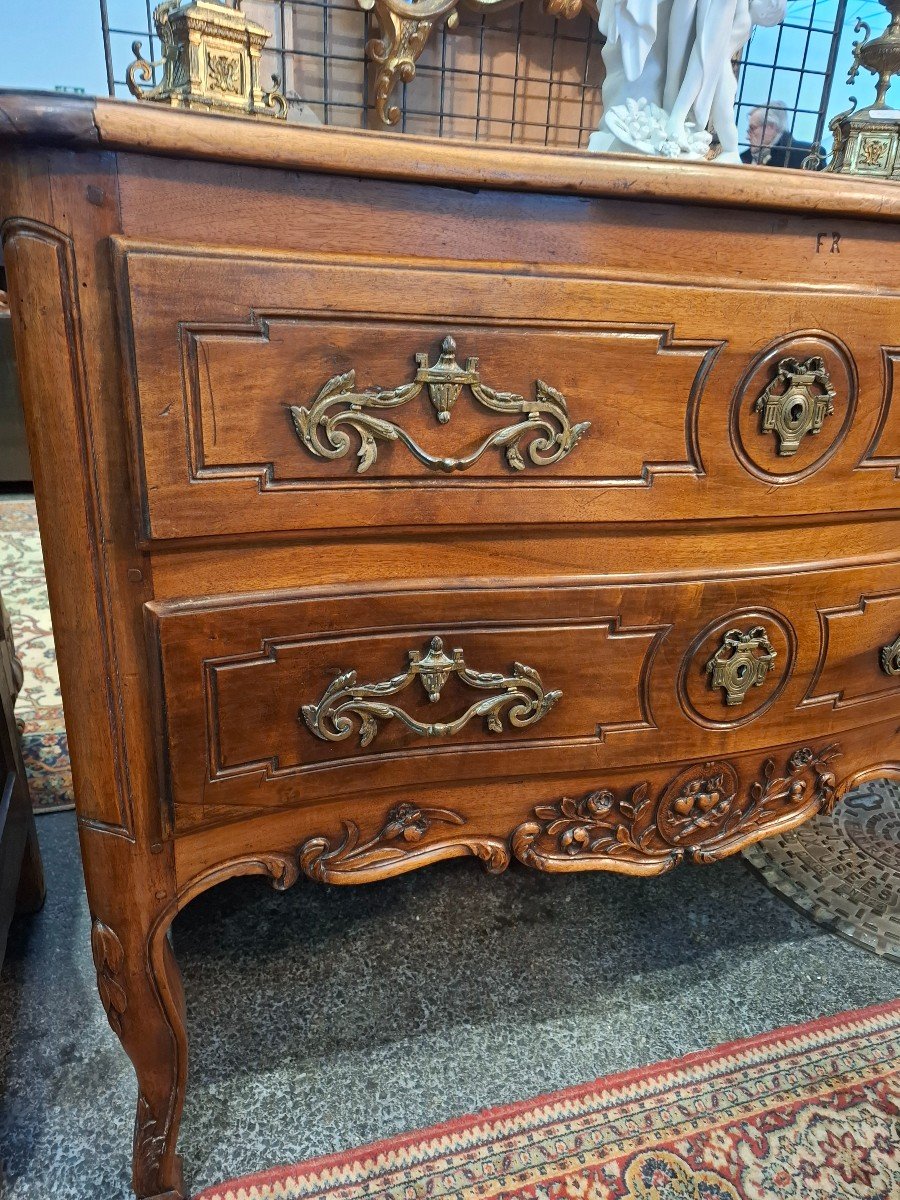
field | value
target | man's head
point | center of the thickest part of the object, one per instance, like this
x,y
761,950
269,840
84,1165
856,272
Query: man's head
x,y
766,125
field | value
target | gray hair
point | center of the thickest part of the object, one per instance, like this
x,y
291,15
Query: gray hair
x,y
775,111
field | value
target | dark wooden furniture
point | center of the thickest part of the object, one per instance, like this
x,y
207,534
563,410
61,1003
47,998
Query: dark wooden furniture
x,y
14,464
407,500
21,870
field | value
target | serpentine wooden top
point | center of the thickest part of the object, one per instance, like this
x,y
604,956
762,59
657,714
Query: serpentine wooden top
x,y
82,122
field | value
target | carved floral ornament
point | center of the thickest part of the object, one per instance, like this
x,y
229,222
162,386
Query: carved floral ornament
x,y
542,438
702,815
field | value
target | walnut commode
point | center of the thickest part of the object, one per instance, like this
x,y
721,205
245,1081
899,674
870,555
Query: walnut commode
x,y
406,500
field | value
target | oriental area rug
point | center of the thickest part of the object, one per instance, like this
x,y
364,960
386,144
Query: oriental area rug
x,y
39,711
807,1113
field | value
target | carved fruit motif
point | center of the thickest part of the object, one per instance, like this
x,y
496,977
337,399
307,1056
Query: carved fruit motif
x,y
702,815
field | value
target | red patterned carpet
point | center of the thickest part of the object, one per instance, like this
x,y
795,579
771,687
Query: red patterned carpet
x,y
808,1113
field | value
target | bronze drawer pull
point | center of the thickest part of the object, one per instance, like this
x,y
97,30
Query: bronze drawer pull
x,y
796,402
547,427
741,662
890,658
522,693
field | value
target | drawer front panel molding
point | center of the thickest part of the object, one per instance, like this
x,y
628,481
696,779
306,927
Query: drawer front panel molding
x,y
286,701
628,400
884,451
860,642
252,688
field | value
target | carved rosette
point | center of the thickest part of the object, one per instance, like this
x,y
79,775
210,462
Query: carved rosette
x,y
396,846
109,958
702,815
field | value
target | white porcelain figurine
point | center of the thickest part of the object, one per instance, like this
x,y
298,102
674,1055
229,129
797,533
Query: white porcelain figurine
x,y
669,74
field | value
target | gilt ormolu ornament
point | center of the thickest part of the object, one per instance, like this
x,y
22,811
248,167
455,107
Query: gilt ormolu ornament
x,y
796,402
867,141
210,61
742,661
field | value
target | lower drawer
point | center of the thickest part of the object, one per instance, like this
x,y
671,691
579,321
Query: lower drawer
x,y
286,700
640,820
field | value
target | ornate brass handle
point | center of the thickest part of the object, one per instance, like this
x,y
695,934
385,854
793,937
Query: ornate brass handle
x,y
741,662
796,402
890,658
548,432
345,701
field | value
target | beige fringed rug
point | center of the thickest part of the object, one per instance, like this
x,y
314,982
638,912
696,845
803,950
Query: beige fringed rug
x,y
38,707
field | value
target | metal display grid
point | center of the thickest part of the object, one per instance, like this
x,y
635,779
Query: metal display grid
x,y
515,75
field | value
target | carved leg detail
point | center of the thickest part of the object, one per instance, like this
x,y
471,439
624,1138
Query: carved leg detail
x,y
140,986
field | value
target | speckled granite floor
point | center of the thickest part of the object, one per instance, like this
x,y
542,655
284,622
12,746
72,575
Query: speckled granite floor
x,y
326,1017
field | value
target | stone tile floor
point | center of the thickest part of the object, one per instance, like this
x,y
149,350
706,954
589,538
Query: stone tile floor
x,y
327,1017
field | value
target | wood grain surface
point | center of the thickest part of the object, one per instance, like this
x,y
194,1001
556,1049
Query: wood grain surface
x,y
246,625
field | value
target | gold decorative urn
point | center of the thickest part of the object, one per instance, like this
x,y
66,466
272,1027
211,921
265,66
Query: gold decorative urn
x,y
867,140
210,61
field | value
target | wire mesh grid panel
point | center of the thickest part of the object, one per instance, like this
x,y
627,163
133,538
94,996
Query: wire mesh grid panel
x,y
787,72
517,75
508,72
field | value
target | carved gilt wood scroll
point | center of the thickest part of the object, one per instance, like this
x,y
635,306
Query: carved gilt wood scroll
x,y
406,25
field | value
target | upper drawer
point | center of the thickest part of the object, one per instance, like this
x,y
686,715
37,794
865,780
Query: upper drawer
x,y
282,394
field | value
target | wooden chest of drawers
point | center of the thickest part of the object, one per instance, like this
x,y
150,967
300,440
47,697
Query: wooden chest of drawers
x,y
405,500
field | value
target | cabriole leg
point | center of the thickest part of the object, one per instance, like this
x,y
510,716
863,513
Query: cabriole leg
x,y
140,986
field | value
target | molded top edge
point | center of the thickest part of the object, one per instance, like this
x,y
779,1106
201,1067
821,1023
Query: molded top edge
x,y
49,119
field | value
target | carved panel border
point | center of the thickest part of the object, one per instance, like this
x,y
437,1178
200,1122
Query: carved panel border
x,y
86,520
836,698
872,459
257,328
268,768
